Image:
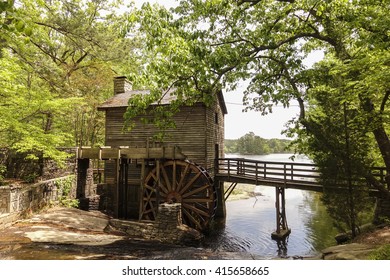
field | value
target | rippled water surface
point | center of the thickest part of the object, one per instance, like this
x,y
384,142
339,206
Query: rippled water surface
x,y
250,222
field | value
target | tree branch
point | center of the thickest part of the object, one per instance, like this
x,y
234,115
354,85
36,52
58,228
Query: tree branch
x,y
255,2
55,59
384,100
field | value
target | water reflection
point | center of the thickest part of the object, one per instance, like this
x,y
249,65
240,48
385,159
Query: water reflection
x,y
250,222
282,247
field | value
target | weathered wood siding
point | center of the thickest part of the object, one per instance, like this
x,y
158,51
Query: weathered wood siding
x,y
189,134
198,130
215,136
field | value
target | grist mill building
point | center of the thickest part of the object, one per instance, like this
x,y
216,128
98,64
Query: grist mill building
x,y
140,174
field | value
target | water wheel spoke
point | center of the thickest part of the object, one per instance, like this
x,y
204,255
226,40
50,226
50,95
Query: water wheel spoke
x,y
190,183
149,211
183,176
199,199
196,210
153,189
146,212
174,175
154,198
149,199
191,218
163,189
182,182
166,179
149,195
195,191
154,176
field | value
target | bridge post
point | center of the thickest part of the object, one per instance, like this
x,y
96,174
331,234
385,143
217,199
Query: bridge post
x,y
282,230
220,213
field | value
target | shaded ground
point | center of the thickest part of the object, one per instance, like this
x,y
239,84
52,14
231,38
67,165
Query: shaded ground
x,y
378,237
361,248
69,234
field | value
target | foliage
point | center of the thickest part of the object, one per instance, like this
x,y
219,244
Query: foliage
x,y
64,186
3,169
251,144
201,46
11,22
28,115
341,150
30,178
383,253
52,82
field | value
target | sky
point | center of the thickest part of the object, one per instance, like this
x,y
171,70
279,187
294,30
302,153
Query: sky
x,y
237,122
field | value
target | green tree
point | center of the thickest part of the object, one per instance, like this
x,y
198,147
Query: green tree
x,y
214,43
341,149
76,49
53,81
27,111
251,144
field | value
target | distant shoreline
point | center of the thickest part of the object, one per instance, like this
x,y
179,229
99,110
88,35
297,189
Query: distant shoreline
x,y
241,191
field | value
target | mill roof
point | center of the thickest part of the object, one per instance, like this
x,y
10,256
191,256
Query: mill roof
x,y
121,99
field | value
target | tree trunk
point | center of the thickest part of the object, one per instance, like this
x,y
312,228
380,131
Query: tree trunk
x,y
382,208
384,146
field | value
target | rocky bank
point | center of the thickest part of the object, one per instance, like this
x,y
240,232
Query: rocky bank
x,y
68,233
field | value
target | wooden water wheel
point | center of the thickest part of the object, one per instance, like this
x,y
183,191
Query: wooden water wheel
x,y
182,182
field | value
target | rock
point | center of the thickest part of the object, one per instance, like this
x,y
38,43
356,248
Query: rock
x,y
342,238
188,235
352,251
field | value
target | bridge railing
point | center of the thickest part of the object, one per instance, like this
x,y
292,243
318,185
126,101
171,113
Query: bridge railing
x,y
288,172
262,170
379,173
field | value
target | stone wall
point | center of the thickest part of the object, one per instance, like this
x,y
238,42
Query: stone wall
x,y
167,228
29,170
52,170
17,199
86,188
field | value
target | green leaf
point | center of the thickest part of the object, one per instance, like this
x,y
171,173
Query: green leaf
x,y
20,25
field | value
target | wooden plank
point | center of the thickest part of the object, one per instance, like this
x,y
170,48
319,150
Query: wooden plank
x,y
91,153
109,153
131,153
189,133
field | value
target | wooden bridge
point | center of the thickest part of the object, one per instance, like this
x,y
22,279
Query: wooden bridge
x,y
281,175
293,175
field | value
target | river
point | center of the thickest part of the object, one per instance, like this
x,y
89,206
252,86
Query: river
x,y
250,222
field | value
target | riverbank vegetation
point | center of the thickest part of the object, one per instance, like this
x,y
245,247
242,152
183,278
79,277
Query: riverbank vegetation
x,y
383,253
251,144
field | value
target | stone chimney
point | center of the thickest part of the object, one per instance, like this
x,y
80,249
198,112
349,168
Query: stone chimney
x,y
121,85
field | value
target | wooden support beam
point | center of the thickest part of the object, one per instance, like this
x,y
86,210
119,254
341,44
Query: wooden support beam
x,y
106,153
282,230
141,189
229,190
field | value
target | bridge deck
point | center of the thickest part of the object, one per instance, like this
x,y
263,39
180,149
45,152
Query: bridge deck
x,y
303,176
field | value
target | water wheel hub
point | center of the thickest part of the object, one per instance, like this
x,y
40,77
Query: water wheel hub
x,y
173,197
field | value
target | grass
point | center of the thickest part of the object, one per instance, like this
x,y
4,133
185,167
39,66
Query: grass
x,y
382,253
